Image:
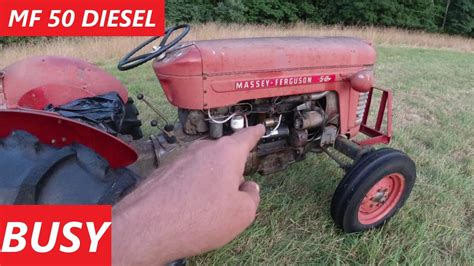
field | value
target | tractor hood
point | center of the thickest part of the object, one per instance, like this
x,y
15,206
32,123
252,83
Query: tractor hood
x,y
230,56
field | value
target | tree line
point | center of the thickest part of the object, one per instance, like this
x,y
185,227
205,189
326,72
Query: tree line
x,y
444,16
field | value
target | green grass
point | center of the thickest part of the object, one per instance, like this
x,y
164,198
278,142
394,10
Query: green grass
x,y
433,123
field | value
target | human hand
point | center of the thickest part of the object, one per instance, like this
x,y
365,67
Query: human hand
x,y
198,203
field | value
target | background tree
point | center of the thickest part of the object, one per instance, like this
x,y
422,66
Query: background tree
x,y
444,16
449,16
460,18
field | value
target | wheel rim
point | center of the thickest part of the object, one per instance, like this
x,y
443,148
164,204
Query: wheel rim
x,y
381,198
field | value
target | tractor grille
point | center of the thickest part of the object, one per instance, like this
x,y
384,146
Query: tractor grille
x,y
361,107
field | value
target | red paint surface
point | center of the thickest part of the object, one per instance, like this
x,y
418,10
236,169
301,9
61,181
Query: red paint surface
x,y
38,81
283,82
362,81
376,135
58,131
371,212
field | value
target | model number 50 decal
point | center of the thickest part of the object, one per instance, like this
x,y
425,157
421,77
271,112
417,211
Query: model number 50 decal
x,y
284,82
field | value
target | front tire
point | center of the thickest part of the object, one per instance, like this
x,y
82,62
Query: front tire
x,y
373,190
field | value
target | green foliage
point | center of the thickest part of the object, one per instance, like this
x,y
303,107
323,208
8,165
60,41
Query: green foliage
x,y
10,40
190,11
460,18
308,12
5,41
231,11
449,16
410,14
269,11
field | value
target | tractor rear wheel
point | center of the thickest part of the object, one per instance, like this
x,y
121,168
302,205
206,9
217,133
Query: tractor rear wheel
x,y
373,190
35,173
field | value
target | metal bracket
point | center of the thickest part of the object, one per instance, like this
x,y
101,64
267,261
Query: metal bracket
x,y
376,135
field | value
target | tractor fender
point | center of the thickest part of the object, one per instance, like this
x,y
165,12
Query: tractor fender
x,y
58,131
42,80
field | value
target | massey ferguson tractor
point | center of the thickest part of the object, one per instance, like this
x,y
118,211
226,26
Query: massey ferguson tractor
x,y
70,133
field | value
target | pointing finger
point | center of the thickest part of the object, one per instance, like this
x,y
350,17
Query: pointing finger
x,y
249,137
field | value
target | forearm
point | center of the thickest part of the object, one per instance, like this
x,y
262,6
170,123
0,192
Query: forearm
x,y
196,204
144,234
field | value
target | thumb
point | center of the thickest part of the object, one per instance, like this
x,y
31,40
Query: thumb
x,y
252,190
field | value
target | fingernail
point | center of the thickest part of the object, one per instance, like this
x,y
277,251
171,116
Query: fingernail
x,y
258,187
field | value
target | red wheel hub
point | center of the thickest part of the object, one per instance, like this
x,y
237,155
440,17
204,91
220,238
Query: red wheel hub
x,y
381,198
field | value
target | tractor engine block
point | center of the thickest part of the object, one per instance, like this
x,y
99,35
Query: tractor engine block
x,y
294,125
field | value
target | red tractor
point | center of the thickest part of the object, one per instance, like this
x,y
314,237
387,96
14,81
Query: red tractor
x,y
69,132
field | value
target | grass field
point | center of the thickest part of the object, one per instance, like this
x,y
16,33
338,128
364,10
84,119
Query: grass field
x,y
433,122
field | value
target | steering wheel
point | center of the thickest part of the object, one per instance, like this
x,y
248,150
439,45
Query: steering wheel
x,y
130,61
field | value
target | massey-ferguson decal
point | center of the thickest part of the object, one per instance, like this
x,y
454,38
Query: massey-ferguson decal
x,y
284,82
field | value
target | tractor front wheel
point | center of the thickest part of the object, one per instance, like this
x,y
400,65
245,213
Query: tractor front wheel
x,y
373,190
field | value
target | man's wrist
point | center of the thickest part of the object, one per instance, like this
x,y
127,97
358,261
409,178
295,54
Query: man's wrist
x,y
136,239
